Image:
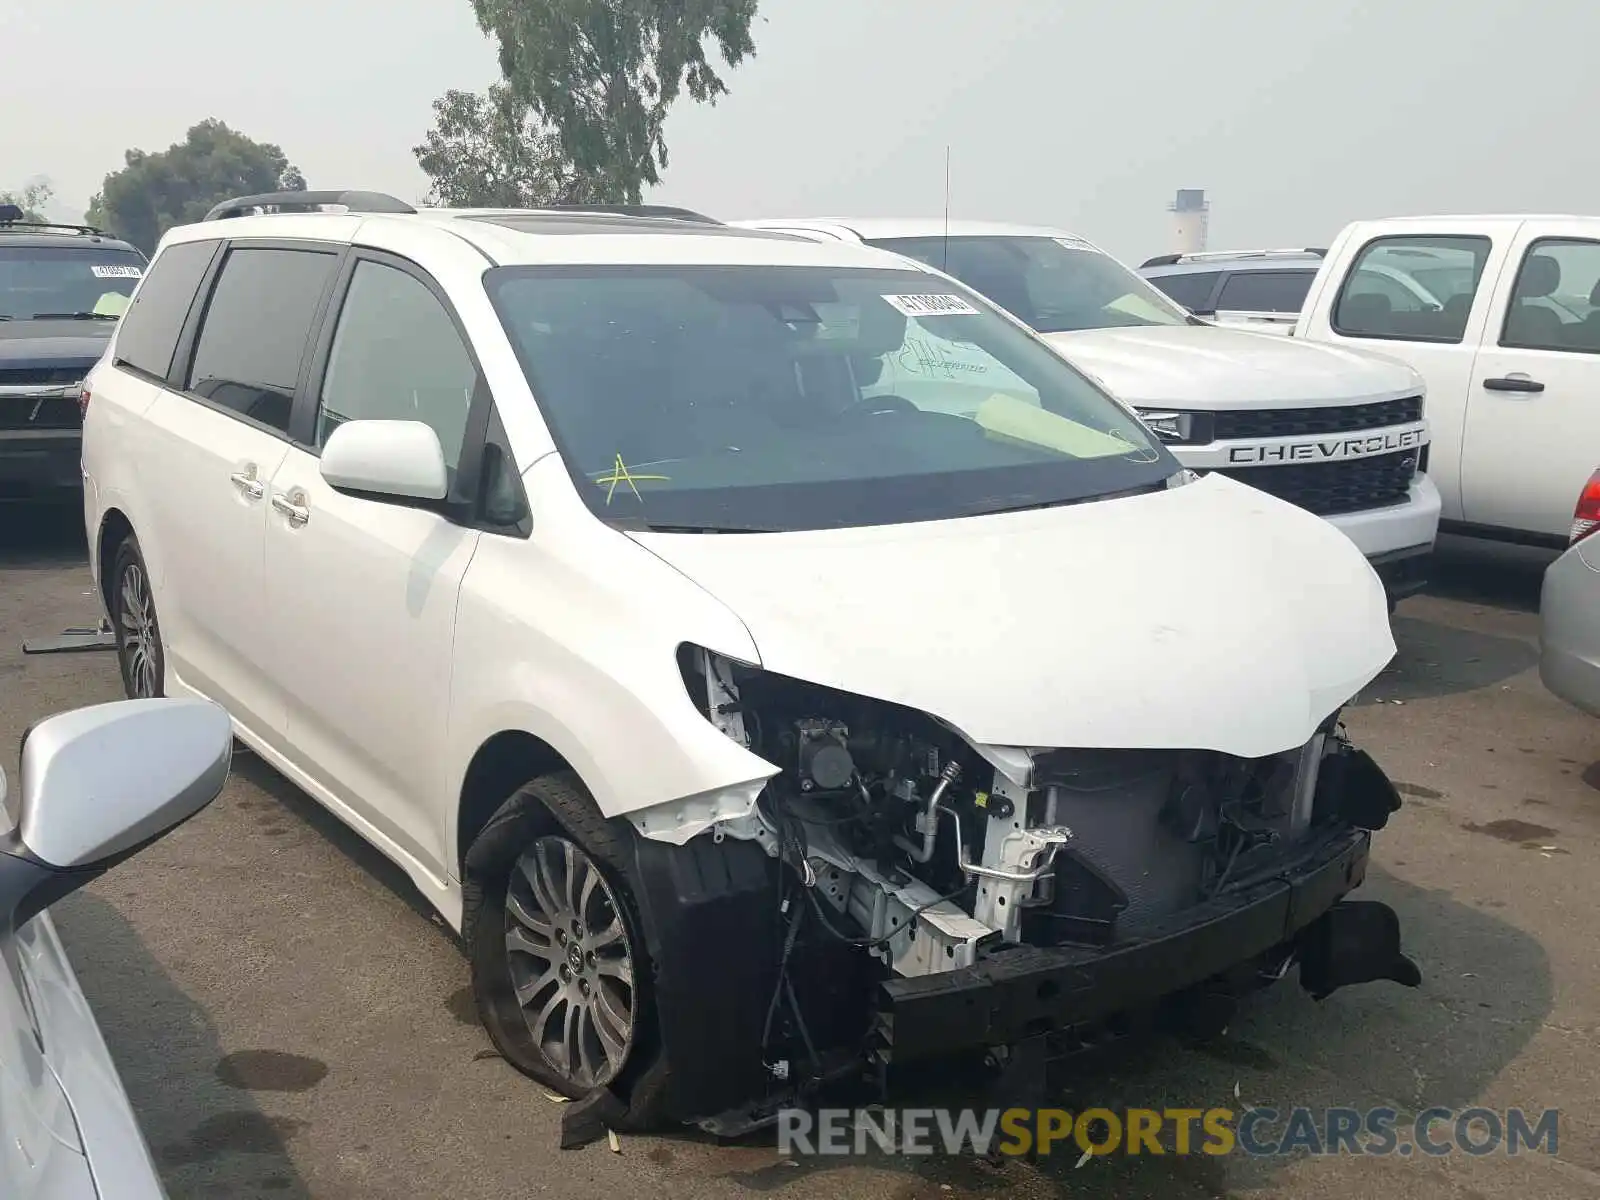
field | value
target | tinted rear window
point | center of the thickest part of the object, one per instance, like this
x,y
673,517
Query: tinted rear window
x,y
1265,291
253,340
1191,289
149,332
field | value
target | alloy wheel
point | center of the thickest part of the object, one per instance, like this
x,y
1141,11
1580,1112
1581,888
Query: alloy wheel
x,y
140,636
571,962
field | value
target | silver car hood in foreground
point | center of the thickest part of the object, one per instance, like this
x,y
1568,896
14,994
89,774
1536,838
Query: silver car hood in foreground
x,y
1208,616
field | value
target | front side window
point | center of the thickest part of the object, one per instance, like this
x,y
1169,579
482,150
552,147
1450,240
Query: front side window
x,y
149,332
1052,284
1265,291
755,397
79,281
1192,289
253,338
1412,288
1555,302
396,356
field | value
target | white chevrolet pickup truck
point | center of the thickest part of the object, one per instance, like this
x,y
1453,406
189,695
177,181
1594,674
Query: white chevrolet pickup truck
x,y
1339,432
1501,315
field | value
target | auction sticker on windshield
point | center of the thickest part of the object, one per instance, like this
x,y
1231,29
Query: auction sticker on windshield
x,y
932,306
101,271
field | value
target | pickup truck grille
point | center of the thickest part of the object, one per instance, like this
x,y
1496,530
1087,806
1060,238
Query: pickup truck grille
x,y
1292,422
1330,488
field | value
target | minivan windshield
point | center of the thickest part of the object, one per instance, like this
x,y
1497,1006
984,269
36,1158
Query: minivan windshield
x,y
751,398
1055,285
79,280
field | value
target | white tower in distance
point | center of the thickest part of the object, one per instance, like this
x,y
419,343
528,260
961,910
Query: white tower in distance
x,y
1189,221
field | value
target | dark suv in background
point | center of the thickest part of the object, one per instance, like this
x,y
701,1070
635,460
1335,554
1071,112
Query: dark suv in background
x,y
62,288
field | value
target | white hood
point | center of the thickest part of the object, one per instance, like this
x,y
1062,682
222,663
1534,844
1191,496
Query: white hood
x,y
1208,367
1209,616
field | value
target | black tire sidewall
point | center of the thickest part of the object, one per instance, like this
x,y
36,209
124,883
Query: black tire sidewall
x,y
540,809
128,555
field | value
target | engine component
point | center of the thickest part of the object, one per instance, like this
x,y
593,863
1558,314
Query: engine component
x,y
928,818
823,760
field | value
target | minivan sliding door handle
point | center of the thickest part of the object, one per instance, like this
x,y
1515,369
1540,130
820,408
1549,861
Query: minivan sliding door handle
x,y
247,483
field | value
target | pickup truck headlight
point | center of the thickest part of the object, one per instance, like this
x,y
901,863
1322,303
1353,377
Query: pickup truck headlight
x,y
1177,428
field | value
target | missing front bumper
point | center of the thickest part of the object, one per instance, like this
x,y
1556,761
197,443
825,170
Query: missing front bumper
x,y
1023,992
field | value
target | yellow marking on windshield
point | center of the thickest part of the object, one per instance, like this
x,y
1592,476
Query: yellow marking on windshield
x,y
112,304
1010,419
621,473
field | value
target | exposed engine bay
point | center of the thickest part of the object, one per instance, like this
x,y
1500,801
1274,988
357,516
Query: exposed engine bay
x,y
983,893
933,849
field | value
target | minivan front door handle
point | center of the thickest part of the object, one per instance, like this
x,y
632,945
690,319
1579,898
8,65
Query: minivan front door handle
x,y
247,483
298,514
1513,383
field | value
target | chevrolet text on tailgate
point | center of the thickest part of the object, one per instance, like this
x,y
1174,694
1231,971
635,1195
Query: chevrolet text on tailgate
x,y
1338,433
769,709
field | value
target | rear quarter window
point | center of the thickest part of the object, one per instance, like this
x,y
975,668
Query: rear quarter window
x,y
1192,289
148,334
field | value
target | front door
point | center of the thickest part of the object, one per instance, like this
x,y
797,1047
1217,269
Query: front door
x,y
363,591
1533,409
1423,297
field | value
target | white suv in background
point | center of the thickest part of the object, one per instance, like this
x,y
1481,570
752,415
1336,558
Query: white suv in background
x,y
1259,290
717,694
1339,433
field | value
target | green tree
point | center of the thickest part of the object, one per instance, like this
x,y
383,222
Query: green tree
x,y
489,151
32,198
178,185
602,75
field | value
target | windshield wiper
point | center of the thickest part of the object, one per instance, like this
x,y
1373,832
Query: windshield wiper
x,y
651,528
74,316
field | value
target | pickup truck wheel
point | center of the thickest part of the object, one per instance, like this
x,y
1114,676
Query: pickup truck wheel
x,y
560,972
134,624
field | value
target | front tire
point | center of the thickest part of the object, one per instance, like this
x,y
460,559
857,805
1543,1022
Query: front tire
x,y
133,622
560,971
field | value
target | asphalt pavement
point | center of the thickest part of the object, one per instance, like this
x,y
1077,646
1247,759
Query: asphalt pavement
x,y
291,1021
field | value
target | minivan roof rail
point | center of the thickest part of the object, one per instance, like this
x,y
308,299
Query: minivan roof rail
x,y
353,201
1172,260
666,211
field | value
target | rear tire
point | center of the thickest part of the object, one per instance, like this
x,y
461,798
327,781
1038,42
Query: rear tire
x,y
140,655
560,970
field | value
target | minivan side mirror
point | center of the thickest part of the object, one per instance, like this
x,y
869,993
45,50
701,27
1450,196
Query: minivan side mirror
x,y
99,784
396,459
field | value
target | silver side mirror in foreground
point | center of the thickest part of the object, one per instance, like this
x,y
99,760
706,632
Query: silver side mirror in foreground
x,y
98,785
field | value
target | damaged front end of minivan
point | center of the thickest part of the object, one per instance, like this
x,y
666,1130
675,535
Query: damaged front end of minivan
x,y
895,895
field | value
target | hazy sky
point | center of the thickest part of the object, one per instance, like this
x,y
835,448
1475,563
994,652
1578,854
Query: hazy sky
x,y
1295,117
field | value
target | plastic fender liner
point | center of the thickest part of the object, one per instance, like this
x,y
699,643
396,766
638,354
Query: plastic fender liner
x,y
1352,786
1357,941
710,917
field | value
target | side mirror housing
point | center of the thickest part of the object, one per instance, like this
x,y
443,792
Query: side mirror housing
x,y
386,459
99,784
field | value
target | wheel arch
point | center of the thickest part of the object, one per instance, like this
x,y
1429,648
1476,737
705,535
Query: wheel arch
x,y
500,765
114,528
